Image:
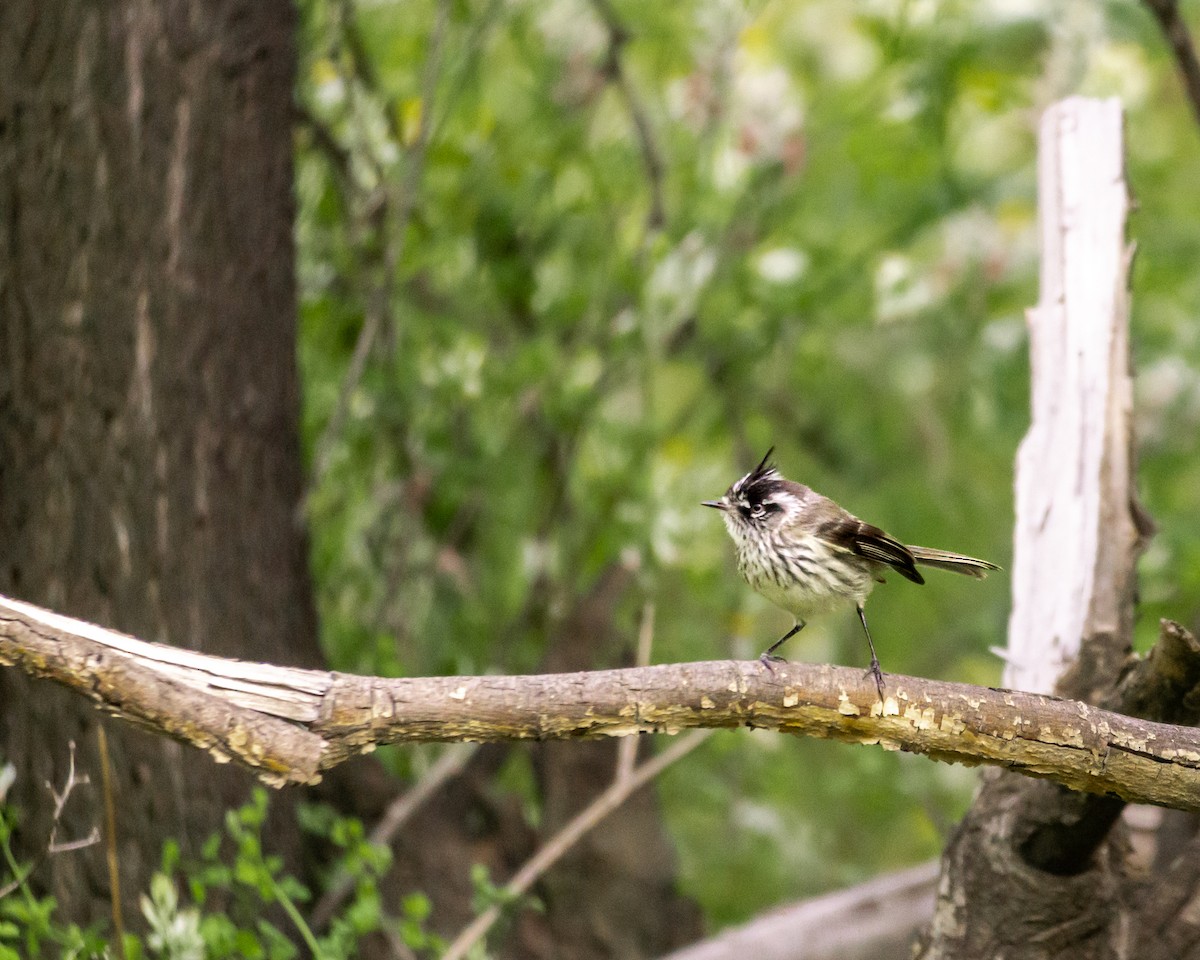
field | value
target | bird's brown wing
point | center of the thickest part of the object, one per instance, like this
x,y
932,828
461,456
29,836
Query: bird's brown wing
x,y
873,544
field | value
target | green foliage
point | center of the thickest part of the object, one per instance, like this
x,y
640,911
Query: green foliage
x,y
557,379
175,932
235,896
248,883
28,930
487,894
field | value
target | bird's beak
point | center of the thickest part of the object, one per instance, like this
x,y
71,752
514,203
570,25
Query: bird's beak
x,y
715,504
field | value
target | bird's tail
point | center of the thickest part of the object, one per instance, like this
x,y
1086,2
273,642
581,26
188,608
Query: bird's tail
x,y
954,562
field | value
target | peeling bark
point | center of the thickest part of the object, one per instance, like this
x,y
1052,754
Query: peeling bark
x,y
1077,745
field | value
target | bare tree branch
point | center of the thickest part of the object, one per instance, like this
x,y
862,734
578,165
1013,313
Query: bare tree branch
x,y
1166,12
393,244
614,68
53,844
1059,831
874,919
552,851
233,710
236,710
1032,863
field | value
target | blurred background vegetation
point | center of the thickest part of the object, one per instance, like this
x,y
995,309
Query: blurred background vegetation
x,y
569,268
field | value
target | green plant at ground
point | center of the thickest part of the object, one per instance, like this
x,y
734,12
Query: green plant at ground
x,y
235,901
28,930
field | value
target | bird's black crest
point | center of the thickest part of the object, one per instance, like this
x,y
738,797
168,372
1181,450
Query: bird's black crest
x,y
765,467
758,481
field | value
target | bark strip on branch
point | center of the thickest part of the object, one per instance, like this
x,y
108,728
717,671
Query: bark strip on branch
x,y
288,724
206,701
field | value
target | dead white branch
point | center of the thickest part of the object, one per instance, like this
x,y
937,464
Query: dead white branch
x,y
870,921
1077,529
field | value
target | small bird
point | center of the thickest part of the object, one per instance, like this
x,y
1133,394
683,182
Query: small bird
x,y
807,555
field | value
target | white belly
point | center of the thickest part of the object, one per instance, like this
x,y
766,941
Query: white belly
x,y
809,578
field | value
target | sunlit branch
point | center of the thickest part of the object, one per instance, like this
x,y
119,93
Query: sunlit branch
x,y
237,710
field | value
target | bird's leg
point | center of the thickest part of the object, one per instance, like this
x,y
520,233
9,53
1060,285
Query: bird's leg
x,y
768,657
874,669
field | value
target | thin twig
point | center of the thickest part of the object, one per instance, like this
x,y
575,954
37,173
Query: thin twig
x,y
568,836
110,839
652,158
380,301
60,802
52,845
1166,12
400,949
628,747
364,67
398,813
646,635
326,142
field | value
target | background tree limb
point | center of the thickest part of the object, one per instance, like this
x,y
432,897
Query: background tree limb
x,y
1176,32
875,919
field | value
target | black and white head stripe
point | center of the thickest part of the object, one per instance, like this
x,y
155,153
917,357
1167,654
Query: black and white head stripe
x,y
759,480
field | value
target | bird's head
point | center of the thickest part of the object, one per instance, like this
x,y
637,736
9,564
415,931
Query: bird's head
x,y
758,503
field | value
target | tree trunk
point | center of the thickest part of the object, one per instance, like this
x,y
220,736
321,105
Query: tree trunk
x,y
1033,868
150,473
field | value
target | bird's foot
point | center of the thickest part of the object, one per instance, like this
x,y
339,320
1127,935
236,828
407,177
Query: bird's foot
x,y
874,671
767,659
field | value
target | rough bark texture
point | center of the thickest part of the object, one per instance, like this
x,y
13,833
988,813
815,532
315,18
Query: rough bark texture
x,y
1033,869
149,470
149,462
1165,904
993,904
1084,748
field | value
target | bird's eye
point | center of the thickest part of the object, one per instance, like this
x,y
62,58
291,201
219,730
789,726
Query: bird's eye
x,y
758,510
